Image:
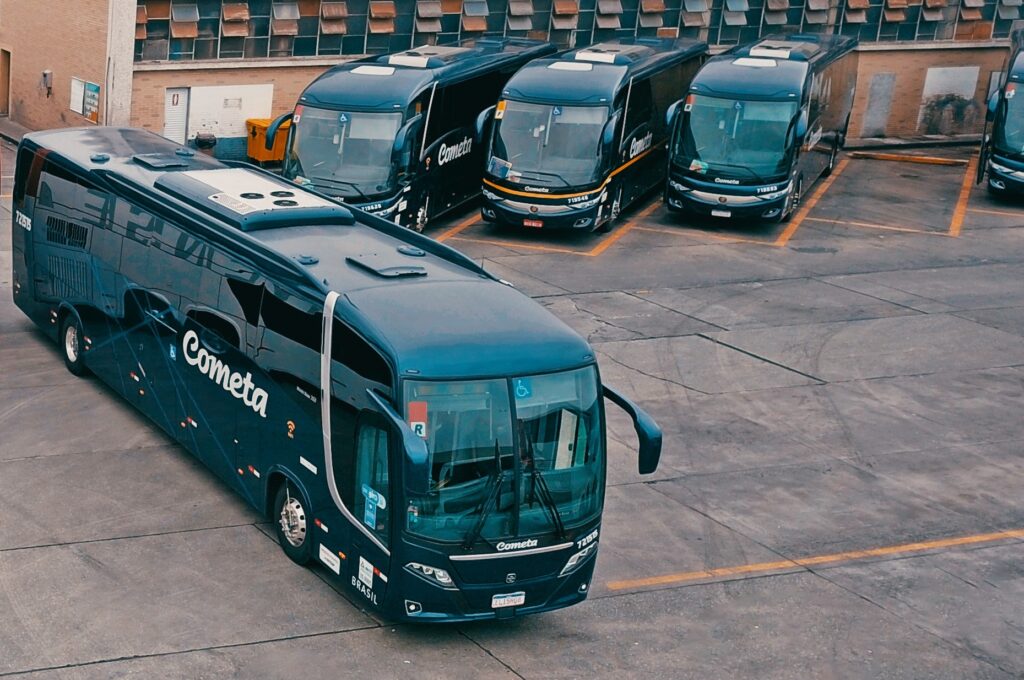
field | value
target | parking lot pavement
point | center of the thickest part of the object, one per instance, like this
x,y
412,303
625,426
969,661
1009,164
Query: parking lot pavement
x,y
839,494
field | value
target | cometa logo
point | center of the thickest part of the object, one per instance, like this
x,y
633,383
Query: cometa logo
x,y
447,154
640,144
517,545
240,387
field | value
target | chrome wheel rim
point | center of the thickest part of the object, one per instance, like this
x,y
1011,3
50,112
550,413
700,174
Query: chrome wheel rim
x,y
71,342
293,522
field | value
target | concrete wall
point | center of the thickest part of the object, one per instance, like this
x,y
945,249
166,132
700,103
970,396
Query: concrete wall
x,y
67,43
929,89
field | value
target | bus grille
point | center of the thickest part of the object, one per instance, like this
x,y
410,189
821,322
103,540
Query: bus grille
x,y
69,279
65,233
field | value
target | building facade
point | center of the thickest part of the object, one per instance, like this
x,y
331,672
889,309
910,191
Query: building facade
x,y
181,67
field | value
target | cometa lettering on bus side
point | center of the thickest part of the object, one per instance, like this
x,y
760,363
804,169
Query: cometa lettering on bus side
x,y
640,144
240,387
447,154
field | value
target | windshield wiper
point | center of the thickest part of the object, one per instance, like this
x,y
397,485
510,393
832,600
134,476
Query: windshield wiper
x,y
493,492
544,174
539,486
745,169
331,180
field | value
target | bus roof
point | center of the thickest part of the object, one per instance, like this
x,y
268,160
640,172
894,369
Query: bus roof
x,y
392,81
774,67
430,309
596,74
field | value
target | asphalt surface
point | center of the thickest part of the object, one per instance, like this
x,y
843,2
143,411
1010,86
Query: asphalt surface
x,y
841,493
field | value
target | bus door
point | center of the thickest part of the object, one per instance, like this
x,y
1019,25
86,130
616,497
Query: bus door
x,y
638,143
359,450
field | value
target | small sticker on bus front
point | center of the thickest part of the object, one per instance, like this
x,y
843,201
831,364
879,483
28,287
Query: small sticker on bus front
x,y
365,571
508,600
418,418
330,559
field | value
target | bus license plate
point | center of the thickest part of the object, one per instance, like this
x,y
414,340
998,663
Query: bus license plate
x,y
533,223
509,600
721,213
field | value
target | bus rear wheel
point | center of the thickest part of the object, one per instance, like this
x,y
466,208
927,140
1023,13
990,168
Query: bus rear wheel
x,y
71,341
292,523
831,160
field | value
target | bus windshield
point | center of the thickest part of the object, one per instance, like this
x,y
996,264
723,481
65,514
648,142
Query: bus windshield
x,y
736,137
346,153
1008,132
548,145
524,454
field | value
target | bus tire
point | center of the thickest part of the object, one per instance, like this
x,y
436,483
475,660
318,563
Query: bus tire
x,y
71,335
794,203
293,524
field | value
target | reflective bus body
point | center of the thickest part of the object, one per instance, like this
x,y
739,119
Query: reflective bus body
x,y
431,436
575,140
395,134
1002,149
759,125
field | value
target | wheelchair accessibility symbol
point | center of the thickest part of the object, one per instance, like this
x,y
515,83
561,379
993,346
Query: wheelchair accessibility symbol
x,y
523,388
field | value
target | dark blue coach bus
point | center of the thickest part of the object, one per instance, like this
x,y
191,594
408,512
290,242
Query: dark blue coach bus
x,y
1002,151
430,435
759,125
395,134
575,140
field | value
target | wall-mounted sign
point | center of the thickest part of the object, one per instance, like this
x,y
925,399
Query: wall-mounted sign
x,y
85,99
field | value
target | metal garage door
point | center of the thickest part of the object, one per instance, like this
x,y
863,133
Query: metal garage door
x,y
176,114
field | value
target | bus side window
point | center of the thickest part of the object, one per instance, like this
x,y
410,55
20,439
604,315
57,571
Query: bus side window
x,y
216,324
372,486
26,179
351,351
639,111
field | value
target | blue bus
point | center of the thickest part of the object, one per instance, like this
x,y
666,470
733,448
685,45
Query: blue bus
x,y
395,134
576,139
759,125
429,435
1002,150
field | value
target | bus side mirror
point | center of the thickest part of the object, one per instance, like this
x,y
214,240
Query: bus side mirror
x,y
670,114
647,431
801,126
993,104
483,121
416,458
272,130
408,130
608,135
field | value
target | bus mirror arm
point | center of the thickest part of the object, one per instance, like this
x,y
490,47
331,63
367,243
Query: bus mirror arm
x,y
417,467
273,128
403,135
801,127
647,431
993,104
483,122
671,112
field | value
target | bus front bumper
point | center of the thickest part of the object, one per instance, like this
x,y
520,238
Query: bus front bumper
x,y
477,603
680,198
1003,178
585,215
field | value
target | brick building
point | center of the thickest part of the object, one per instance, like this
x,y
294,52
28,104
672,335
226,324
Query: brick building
x,y
180,67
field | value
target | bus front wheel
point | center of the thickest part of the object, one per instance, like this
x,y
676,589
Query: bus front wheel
x,y
292,521
71,340
794,201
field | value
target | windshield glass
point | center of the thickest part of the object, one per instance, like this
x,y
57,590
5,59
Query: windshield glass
x,y
343,152
735,137
1008,134
527,452
547,145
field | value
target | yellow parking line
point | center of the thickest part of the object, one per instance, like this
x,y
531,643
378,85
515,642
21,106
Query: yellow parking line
x,y
906,158
834,558
460,227
871,225
965,195
1005,213
623,230
806,208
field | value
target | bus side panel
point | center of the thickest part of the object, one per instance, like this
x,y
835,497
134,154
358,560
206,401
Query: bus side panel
x,y
26,184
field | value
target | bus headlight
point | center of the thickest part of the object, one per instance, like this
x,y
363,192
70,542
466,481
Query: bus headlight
x,y
491,196
1016,174
439,577
578,559
676,186
776,194
589,204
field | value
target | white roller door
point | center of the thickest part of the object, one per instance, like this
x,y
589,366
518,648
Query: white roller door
x,y
176,114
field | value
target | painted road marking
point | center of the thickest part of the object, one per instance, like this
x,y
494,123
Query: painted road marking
x,y
809,205
804,562
1006,213
460,227
625,229
698,232
965,195
871,225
